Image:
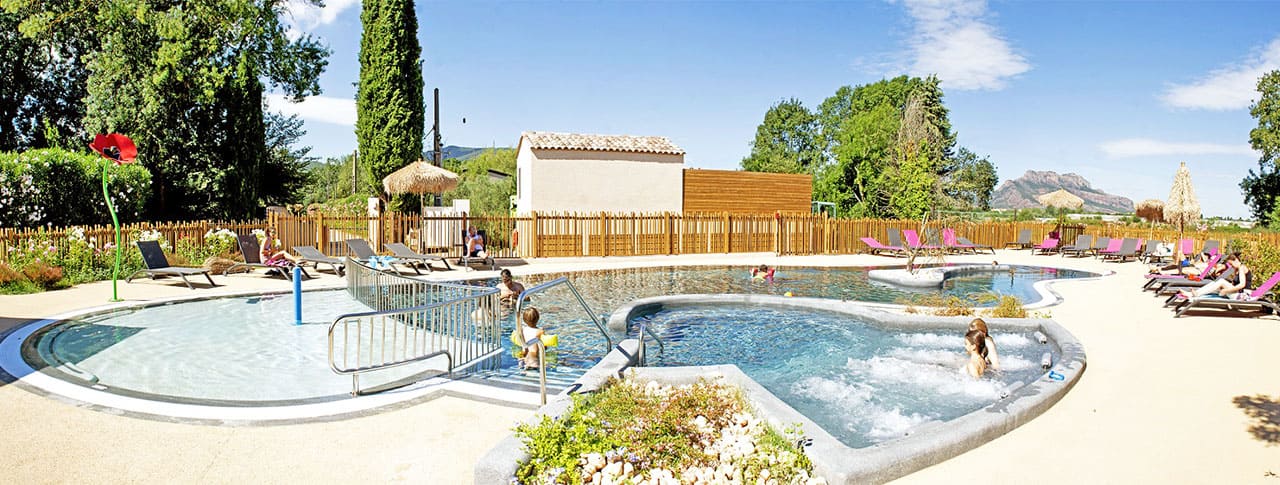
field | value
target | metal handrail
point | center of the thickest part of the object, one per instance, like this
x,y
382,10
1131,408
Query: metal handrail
x,y
458,325
556,282
542,363
662,348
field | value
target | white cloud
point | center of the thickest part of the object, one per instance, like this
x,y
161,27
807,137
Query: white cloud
x,y
953,40
1227,88
1143,147
302,16
323,109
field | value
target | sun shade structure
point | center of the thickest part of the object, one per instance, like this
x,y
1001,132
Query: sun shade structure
x,y
419,178
1150,210
1182,208
1061,199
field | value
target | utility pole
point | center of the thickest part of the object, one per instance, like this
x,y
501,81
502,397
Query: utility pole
x,y
435,130
355,177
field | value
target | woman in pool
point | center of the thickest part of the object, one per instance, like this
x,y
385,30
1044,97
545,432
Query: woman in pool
x,y
1224,287
508,288
270,253
989,353
530,332
975,345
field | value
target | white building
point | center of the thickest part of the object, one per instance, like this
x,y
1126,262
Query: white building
x,y
570,172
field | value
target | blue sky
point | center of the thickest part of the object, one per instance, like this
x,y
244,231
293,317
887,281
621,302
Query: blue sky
x,y
1119,92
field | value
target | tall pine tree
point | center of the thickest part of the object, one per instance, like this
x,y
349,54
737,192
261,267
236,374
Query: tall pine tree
x,y
389,104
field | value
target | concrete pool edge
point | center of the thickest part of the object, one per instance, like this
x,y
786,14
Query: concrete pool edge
x,y
838,463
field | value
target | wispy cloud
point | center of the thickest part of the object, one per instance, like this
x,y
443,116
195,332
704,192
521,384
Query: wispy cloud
x,y
1227,88
323,109
1144,147
303,16
953,39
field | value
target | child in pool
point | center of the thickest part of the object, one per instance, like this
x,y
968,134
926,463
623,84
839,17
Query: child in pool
x,y
990,355
530,332
763,273
975,345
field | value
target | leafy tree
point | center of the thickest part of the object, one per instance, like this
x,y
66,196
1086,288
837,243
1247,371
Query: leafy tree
x,y
785,142
389,101
968,181
488,196
185,80
44,81
1260,187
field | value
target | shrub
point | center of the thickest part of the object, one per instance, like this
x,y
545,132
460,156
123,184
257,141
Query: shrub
x,y
947,306
1007,306
629,432
42,274
9,275
1262,258
60,187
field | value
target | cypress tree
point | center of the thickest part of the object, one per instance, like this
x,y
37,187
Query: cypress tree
x,y
389,104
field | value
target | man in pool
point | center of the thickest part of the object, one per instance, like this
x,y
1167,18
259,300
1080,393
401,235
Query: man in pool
x,y
509,289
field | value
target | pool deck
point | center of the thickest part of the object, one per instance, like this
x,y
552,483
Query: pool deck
x,y
1188,400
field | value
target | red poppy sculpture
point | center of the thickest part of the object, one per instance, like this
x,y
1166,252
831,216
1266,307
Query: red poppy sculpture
x,y
121,150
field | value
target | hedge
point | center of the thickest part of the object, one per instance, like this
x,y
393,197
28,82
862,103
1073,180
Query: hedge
x,y
60,187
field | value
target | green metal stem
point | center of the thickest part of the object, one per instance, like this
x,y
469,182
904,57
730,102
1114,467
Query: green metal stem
x,y
115,272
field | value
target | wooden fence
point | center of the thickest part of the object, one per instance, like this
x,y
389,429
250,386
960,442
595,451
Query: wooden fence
x,y
602,234
99,235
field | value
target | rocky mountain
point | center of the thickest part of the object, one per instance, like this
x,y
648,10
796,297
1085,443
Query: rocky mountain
x,y
1021,193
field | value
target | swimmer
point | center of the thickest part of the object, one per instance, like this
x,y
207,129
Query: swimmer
x,y
763,273
508,288
990,355
975,345
530,332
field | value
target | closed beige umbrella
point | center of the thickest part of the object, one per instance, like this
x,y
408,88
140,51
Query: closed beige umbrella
x,y
1182,208
420,178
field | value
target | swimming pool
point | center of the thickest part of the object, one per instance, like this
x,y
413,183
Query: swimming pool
x,y
245,351
861,382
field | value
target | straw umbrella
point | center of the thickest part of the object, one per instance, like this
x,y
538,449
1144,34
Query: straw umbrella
x,y
1182,207
420,178
1062,200
1151,210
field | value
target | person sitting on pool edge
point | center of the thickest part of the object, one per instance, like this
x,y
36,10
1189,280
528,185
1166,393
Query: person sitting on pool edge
x,y
529,331
975,345
508,289
989,353
763,273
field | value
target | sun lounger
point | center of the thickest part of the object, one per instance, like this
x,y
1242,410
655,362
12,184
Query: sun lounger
x,y
895,238
976,247
1047,246
878,248
1173,287
1101,243
949,241
1128,249
1023,242
1254,300
1149,251
309,254
365,253
1113,246
1083,244
158,266
403,252
913,240
468,260
1211,247
252,253
1159,280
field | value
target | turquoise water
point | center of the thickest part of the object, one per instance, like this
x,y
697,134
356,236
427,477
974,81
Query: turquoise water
x,y
862,383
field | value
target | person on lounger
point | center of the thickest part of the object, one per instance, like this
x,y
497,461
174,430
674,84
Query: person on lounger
x,y
272,254
1224,287
990,355
509,289
475,243
975,345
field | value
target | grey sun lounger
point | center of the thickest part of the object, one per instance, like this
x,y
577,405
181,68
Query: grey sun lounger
x,y
468,260
1082,246
1172,288
364,252
309,254
252,253
1254,300
1150,251
976,247
158,266
1128,249
895,238
1023,242
403,252
1099,244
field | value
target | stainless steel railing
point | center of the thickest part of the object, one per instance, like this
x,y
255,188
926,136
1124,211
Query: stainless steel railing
x,y
564,281
412,321
640,351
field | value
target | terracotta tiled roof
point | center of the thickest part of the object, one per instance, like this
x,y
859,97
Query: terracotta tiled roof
x,y
542,140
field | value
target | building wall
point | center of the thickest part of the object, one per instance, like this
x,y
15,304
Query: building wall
x,y
595,181
746,192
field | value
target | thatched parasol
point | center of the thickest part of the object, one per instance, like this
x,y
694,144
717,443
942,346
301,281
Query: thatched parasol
x,y
420,178
1061,199
1150,210
1182,208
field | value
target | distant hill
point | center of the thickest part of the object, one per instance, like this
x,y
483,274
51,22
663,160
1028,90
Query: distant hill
x,y
460,153
1021,193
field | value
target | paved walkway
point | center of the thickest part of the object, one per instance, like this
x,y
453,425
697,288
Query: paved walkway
x,y
1157,403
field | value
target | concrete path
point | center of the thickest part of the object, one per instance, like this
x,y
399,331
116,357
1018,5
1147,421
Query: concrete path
x,y
1162,400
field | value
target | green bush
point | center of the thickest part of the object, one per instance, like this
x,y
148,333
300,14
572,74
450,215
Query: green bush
x,y
1262,258
59,187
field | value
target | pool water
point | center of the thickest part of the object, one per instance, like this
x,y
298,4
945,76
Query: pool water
x,y
248,350
862,383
